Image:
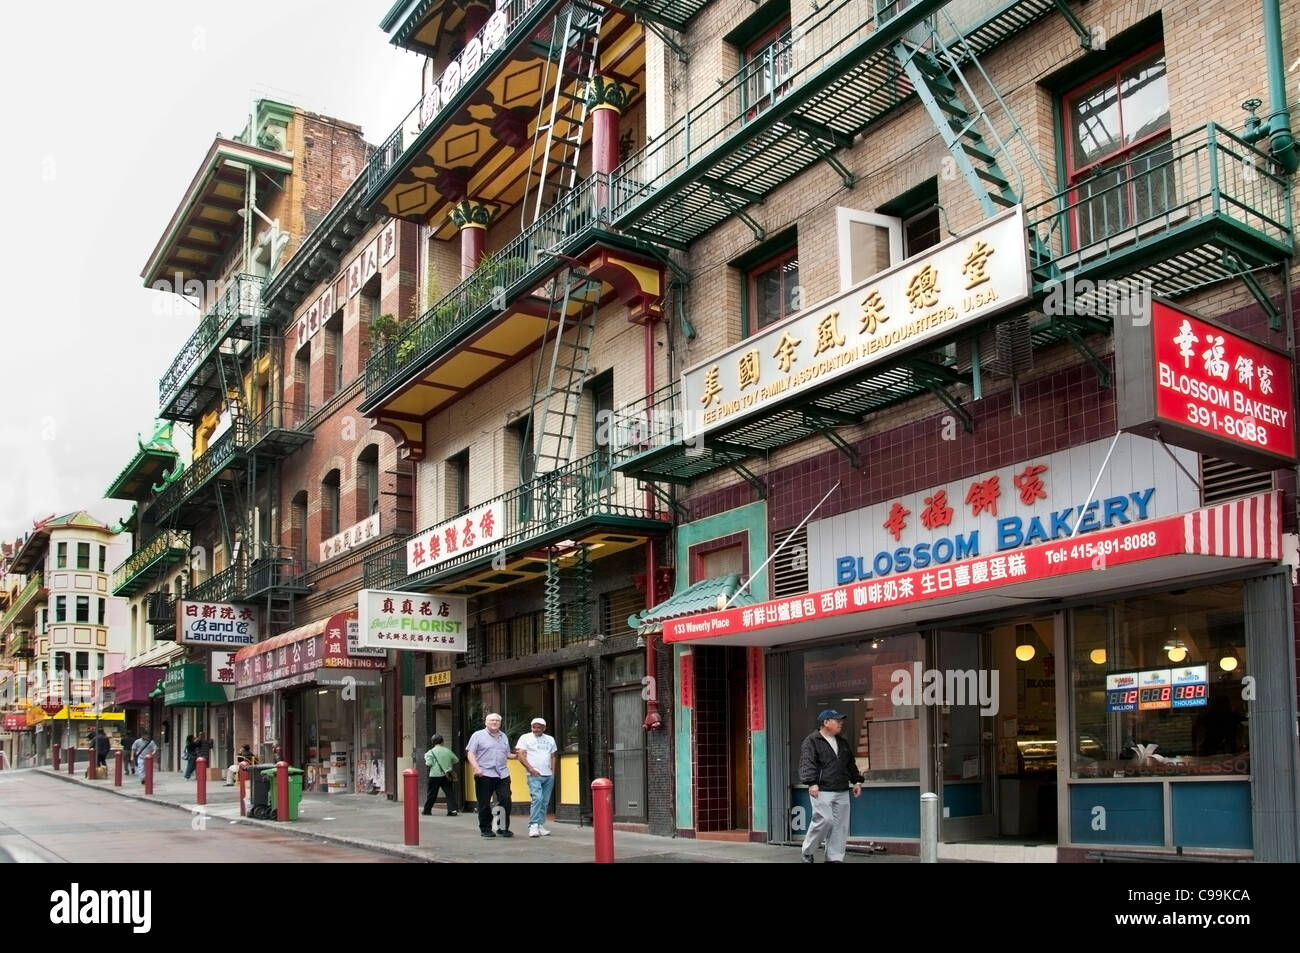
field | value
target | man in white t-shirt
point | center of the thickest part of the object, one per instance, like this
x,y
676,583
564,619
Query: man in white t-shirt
x,y
536,752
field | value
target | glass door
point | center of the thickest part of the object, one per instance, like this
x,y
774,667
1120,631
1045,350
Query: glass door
x,y
958,692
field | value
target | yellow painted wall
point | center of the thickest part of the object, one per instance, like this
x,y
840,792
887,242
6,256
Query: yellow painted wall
x,y
570,780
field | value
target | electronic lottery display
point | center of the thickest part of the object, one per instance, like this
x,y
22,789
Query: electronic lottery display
x,y
1157,689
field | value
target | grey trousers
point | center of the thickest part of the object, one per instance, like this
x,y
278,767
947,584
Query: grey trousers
x,y
830,823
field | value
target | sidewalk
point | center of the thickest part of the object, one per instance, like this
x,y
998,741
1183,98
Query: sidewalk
x,y
376,823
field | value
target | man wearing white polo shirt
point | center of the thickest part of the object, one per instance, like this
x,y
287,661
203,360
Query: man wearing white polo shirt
x,y
536,752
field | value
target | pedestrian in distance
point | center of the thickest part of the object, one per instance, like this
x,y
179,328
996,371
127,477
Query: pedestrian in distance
x,y
827,766
442,763
188,756
128,742
102,746
487,752
536,751
143,747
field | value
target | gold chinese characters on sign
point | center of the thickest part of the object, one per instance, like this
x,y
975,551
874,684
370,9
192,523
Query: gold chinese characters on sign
x,y
959,281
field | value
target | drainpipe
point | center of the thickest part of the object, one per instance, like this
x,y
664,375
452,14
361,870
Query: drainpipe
x,y
1277,128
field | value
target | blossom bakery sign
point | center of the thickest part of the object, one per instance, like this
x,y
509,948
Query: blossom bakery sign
x,y
1205,387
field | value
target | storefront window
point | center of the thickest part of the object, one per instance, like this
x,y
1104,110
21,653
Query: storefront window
x,y
1157,686
370,740
571,685
856,680
480,700
521,703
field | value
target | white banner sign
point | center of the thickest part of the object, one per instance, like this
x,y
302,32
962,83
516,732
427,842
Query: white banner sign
x,y
362,268
350,538
954,283
405,620
215,623
222,667
471,530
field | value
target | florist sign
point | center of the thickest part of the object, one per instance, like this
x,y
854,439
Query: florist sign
x,y
404,620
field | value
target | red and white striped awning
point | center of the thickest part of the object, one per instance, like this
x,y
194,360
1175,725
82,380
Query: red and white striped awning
x,y
1178,548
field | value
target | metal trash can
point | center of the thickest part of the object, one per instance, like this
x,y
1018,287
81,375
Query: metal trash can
x,y
259,801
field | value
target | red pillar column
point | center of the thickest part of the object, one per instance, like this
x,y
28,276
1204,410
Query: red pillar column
x,y
602,819
475,16
201,767
605,99
473,219
148,774
411,807
117,768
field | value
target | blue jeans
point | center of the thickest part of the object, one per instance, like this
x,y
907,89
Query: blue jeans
x,y
539,789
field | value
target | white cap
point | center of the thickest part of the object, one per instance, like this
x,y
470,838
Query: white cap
x,y
539,721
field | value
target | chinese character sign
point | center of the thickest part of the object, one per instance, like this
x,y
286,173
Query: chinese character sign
x,y
221,667
475,529
215,623
350,538
412,620
1221,385
954,283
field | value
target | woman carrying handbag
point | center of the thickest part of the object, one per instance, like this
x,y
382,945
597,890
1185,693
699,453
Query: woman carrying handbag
x,y
442,763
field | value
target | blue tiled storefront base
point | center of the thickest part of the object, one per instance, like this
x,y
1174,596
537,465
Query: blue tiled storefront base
x,y
1117,814
1212,814
883,813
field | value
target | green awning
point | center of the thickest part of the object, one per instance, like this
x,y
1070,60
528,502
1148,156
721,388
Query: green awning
x,y
187,684
702,597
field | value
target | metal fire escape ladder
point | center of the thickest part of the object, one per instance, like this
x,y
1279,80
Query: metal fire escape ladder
x,y
570,355
575,52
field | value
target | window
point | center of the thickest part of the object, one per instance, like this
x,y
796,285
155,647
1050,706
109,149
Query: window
x,y
83,609
298,523
103,556
769,61
302,375
102,607
1118,148
83,665
45,621
458,483
368,479
329,489
334,348
61,556
774,292
60,608
602,408
522,432
83,555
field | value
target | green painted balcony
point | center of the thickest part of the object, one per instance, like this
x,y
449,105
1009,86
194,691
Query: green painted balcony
x,y
201,371
139,572
775,117
583,503
190,500
23,610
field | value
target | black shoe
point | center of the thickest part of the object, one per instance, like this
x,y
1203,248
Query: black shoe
x,y
426,813
486,834
806,858
505,833
451,813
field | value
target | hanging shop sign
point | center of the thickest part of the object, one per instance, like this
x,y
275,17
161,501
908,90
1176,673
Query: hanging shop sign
x,y
955,283
215,623
345,625
348,282
221,667
1203,386
473,530
433,679
350,538
403,620
1034,501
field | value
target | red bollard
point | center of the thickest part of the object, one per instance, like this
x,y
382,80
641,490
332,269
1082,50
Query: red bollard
x,y
201,766
282,790
117,768
243,781
410,806
58,750
602,819
72,761
148,774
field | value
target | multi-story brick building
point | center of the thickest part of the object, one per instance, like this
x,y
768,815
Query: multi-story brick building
x,y
222,577
869,281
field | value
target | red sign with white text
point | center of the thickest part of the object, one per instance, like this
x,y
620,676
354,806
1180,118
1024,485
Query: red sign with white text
x,y
1223,385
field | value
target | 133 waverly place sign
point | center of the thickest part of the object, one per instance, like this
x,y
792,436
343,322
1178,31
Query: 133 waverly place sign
x,y
1034,501
952,284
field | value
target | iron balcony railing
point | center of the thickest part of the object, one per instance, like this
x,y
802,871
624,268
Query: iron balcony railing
x,y
277,567
240,302
654,421
224,449
163,547
522,636
277,416
1208,173
34,585
551,504
511,21
160,609
514,269
385,568
228,585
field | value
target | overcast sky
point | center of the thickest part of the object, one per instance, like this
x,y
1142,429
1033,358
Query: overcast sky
x,y
110,108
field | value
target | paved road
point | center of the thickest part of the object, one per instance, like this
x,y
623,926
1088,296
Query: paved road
x,y
44,819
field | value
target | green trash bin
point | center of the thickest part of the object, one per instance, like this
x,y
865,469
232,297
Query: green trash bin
x,y
295,791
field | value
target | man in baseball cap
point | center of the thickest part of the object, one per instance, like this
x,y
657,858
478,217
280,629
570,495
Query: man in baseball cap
x,y
536,752
828,767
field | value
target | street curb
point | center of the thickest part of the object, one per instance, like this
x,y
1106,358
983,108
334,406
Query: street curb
x,y
406,853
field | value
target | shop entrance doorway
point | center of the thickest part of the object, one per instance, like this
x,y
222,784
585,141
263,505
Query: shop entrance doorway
x,y
956,691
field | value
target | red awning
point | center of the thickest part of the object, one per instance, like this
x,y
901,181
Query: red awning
x,y
312,629
1208,540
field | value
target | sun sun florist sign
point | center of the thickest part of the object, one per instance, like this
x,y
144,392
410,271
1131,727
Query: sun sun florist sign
x,y
405,620
957,282
215,623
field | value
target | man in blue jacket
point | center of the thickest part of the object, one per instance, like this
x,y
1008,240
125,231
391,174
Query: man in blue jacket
x,y
827,766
